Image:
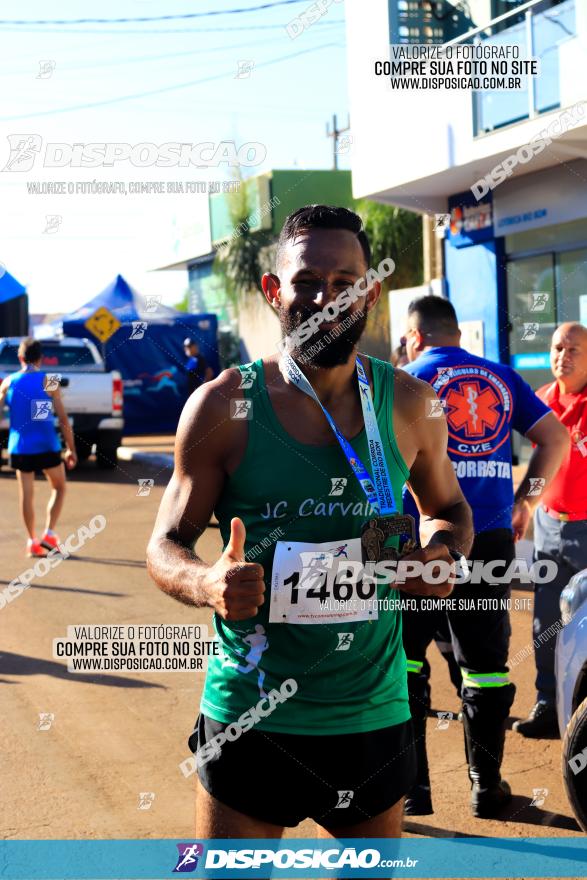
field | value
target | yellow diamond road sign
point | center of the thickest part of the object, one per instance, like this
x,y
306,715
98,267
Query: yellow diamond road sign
x,y
103,324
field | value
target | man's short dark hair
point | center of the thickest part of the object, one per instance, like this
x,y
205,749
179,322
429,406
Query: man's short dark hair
x,y
435,315
322,217
30,350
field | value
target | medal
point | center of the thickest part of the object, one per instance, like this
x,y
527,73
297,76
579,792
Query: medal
x,y
378,529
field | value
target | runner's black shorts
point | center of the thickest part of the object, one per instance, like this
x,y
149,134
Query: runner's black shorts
x,y
38,461
285,778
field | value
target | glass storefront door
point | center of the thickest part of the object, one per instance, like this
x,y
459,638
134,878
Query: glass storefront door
x,y
543,292
532,312
572,286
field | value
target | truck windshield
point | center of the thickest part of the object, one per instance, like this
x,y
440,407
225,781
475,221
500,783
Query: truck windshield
x,y
53,356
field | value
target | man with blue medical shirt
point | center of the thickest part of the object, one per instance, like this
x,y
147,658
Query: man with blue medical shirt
x,y
482,402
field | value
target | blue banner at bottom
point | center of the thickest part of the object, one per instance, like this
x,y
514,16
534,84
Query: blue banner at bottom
x,y
460,857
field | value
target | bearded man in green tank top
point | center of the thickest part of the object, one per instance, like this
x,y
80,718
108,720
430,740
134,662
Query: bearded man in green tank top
x,y
305,710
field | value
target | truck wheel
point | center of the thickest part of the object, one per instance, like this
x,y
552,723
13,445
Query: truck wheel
x,y
575,763
106,455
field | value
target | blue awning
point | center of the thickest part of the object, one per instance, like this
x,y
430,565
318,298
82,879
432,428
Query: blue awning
x,y
10,288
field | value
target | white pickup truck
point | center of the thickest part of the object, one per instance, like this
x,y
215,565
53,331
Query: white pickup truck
x,y
92,397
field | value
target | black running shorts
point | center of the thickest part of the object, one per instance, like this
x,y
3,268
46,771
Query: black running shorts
x,y
38,461
285,778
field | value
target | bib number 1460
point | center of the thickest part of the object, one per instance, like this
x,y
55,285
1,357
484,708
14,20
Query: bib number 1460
x,y
343,587
321,583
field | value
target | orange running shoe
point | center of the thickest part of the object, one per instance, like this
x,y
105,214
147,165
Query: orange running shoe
x,y
50,542
34,548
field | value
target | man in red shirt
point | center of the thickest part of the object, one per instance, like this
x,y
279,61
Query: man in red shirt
x,y
560,521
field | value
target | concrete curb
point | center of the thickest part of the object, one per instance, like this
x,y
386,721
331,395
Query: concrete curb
x,y
154,459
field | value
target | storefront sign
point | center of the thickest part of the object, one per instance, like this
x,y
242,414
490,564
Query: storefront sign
x,y
471,221
555,195
531,361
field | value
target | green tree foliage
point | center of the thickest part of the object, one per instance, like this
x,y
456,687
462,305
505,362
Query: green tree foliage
x,y
396,233
184,304
237,261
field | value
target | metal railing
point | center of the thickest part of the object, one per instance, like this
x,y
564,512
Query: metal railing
x,y
539,28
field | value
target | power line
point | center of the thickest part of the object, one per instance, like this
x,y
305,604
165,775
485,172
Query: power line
x,y
182,16
163,90
97,65
154,31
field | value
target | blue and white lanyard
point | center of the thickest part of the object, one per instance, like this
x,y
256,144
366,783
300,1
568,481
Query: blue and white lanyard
x,y
379,492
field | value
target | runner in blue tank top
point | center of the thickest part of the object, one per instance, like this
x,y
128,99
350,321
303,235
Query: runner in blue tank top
x,y
33,399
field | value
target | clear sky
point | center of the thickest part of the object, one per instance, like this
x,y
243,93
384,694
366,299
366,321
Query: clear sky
x,y
148,82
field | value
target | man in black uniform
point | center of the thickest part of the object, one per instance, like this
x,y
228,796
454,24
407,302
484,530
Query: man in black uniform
x,y
482,401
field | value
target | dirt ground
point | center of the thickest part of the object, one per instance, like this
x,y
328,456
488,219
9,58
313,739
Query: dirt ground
x,y
115,736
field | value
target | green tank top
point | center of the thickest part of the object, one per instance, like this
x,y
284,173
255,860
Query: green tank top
x,y
282,491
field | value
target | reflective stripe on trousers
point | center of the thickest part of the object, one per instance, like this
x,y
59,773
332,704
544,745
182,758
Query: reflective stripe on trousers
x,y
484,679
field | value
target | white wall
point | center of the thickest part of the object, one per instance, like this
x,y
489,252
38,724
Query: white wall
x,y
259,328
402,137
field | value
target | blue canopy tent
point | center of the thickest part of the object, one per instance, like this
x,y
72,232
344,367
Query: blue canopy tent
x,y
147,349
14,310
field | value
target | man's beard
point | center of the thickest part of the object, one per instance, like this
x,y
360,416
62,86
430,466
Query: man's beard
x,y
324,348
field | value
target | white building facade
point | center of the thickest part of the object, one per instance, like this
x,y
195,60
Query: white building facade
x,y
516,254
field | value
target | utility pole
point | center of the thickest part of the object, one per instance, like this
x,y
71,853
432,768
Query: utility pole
x,y
334,134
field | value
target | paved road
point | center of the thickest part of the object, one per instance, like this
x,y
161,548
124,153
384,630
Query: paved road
x,y
115,736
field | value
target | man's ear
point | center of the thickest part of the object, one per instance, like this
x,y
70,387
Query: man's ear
x,y
419,337
373,295
271,286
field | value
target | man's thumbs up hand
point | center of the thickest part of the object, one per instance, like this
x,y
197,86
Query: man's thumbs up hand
x,y
234,587
235,549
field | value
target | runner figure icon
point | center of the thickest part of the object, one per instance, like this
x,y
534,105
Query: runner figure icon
x,y
258,642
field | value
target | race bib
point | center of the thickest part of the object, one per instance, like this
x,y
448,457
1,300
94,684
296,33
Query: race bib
x,y
321,583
